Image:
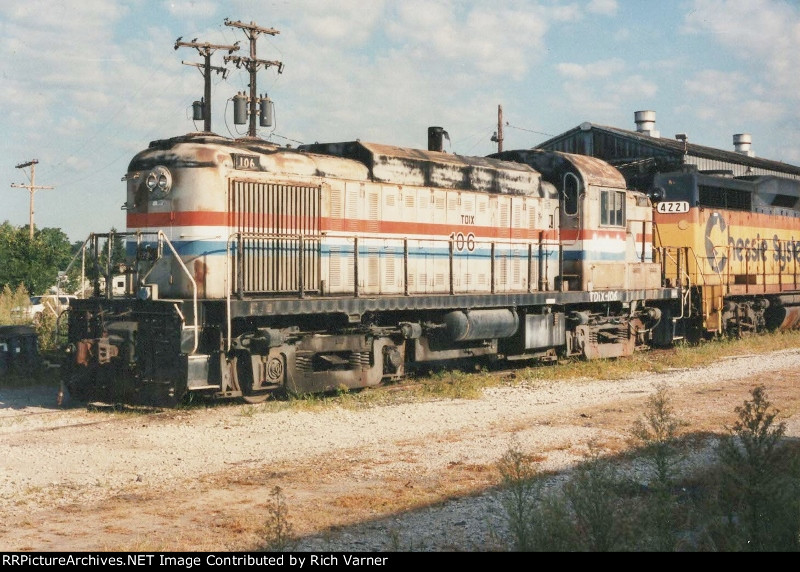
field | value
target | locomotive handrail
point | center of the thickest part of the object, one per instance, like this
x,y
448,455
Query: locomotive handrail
x,y
92,238
525,244
82,252
195,327
161,238
681,274
239,237
234,260
630,225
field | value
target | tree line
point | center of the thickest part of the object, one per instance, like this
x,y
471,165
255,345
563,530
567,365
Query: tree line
x,y
36,263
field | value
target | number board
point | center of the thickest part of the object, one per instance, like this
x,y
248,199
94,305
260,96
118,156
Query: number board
x,y
673,207
246,162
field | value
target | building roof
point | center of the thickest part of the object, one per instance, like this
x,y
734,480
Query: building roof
x,y
660,146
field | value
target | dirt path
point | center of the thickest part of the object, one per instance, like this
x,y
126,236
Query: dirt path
x,y
411,476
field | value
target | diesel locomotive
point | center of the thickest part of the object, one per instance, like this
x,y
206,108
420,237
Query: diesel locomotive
x,y
736,242
256,270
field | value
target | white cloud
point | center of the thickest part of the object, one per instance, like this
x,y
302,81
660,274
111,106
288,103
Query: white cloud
x,y
722,95
756,81
496,40
594,70
191,8
716,86
636,86
763,34
604,7
95,81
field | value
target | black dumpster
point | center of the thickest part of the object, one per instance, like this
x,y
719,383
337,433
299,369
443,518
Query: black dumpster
x,y
19,350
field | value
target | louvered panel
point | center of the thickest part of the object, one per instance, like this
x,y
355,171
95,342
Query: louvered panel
x,y
373,268
268,262
337,209
373,222
502,272
335,268
390,272
354,196
504,215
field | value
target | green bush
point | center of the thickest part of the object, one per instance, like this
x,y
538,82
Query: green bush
x,y
758,480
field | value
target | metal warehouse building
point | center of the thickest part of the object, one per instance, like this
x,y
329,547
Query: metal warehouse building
x,y
642,153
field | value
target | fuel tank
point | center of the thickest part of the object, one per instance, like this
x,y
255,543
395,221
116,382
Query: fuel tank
x,y
469,325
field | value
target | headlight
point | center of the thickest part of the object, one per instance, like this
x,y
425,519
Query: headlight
x,y
159,179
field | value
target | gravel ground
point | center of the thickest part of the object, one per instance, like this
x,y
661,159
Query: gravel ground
x,y
78,478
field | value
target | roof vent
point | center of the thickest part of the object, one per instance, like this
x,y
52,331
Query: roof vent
x,y
646,123
742,143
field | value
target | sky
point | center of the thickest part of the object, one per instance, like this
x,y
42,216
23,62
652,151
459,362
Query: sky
x,y
86,84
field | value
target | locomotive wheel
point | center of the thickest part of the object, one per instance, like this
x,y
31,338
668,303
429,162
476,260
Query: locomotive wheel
x,y
242,371
259,396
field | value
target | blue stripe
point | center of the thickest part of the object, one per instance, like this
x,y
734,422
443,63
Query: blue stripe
x,y
193,248
590,256
217,248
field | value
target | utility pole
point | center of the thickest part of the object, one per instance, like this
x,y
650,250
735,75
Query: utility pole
x,y
32,188
499,128
205,50
252,64
497,137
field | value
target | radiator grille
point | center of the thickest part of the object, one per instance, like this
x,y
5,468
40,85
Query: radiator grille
x,y
268,262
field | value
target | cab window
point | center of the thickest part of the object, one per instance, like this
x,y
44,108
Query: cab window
x,y
612,208
571,189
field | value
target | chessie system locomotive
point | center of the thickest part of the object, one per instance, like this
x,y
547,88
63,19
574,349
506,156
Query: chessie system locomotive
x,y
255,269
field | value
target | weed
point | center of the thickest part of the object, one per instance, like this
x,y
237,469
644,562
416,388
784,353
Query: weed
x,y
597,506
749,501
657,431
12,299
278,529
520,491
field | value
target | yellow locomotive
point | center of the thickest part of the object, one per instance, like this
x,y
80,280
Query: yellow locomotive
x,y
735,241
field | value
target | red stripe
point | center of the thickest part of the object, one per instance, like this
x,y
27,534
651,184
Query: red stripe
x,y
191,218
396,228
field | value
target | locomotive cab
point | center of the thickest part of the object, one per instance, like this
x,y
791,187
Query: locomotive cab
x,y
606,230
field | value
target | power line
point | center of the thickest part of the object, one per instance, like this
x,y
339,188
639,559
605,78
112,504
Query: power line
x,y
286,138
529,130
